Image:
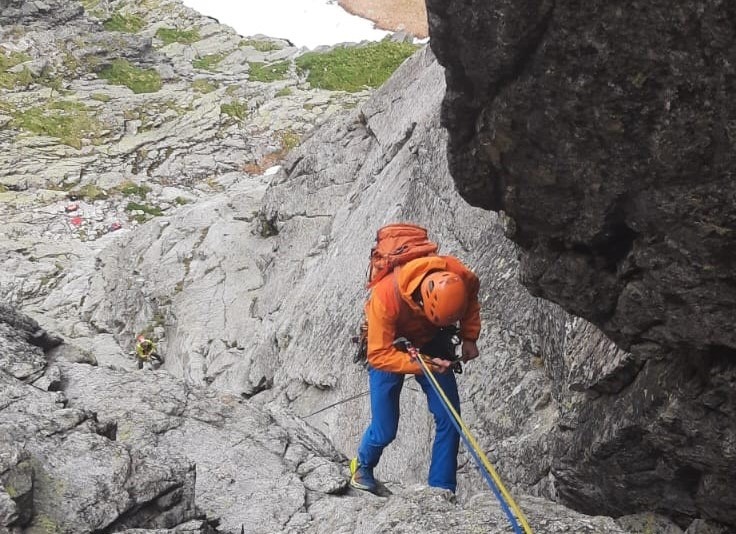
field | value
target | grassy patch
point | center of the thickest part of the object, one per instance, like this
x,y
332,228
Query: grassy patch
x,y
172,35
122,72
8,80
146,209
180,201
154,114
70,122
15,58
90,4
100,97
262,72
286,91
89,192
52,81
289,139
260,45
354,68
213,184
235,109
129,188
68,105
46,524
208,62
124,23
203,86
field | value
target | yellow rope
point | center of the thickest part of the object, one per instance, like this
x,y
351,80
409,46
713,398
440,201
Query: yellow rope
x,y
487,464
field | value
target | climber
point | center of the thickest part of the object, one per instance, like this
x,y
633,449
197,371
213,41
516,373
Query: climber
x,y
416,301
145,351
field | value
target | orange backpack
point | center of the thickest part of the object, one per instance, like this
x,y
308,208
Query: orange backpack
x,y
395,245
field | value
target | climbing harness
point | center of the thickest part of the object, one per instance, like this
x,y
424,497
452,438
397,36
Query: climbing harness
x,y
484,465
443,345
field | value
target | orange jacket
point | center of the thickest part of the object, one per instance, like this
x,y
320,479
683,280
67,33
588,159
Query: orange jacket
x,y
392,312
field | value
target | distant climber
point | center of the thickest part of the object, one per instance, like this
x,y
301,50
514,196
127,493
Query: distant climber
x,y
420,300
146,355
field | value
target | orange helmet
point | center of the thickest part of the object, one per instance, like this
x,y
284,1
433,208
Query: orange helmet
x,y
444,297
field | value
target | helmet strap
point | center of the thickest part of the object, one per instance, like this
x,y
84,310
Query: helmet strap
x,y
417,296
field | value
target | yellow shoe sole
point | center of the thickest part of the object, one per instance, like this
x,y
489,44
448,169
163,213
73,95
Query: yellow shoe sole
x,y
354,483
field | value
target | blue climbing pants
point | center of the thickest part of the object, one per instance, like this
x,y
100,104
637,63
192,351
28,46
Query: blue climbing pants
x,y
385,389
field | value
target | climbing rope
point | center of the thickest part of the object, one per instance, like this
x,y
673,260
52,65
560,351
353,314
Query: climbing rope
x,y
358,395
489,473
338,403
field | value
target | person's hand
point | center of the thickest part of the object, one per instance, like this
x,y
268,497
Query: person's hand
x,y
469,350
440,366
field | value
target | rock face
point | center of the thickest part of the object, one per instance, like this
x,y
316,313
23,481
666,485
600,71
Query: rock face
x,y
253,292
84,154
142,452
230,284
106,450
605,134
258,290
38,12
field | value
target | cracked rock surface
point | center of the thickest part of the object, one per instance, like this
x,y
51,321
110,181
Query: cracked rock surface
x,y
145,453
82,155
604,133
112,449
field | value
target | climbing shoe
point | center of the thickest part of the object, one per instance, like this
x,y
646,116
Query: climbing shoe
x,y
362,477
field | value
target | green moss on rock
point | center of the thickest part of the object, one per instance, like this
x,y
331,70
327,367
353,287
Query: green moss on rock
x,y
354,68
203,86
268,72
235,109
208,62
89,192
173,35
260,45
124,23
8,80
122,72
70,122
